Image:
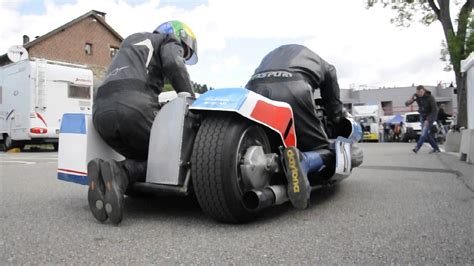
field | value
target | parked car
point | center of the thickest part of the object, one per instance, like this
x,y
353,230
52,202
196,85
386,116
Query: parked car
x,y
411,126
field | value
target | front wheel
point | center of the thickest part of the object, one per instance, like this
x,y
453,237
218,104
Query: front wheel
x,y
220,145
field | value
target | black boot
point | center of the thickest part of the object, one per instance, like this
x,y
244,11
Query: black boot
x,y
299,189
116,182
95,195
136,170
329,160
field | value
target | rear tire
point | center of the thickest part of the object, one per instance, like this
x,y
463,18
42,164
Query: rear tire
x,y
220,144
10,144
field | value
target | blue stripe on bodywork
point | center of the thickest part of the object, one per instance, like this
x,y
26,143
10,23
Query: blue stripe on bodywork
x,y
79,179
221,99
73,123
356,131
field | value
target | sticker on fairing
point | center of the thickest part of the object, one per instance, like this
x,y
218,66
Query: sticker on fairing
x,y
221,99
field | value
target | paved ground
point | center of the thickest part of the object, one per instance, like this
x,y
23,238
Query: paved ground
x,y
397,207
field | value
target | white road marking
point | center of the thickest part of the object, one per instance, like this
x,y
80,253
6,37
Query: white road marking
x,y
32,158
20,162
28,159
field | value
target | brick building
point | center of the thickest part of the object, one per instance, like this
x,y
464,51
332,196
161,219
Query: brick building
x,y
86,40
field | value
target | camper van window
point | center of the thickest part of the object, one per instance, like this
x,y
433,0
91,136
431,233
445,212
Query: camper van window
x,y
113,51
79,92
88,48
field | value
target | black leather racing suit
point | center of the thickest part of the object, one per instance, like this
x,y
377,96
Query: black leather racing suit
x,y
127,101
290,74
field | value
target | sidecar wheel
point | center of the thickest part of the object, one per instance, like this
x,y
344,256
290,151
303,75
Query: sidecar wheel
x,y
220,144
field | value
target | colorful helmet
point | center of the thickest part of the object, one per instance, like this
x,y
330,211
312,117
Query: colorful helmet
x,y
184,33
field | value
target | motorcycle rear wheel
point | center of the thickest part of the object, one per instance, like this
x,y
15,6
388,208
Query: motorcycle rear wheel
x,y
220,145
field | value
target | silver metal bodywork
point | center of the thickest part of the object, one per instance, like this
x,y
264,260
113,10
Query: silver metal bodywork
x,y
258,167
171,142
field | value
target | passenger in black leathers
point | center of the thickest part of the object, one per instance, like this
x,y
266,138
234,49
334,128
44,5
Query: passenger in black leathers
x,y
291,73
125,107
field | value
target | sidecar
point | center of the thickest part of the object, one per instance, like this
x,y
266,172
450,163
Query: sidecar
x,y
224,147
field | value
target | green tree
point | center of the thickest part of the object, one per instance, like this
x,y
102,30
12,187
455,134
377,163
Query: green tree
x,y
196,87
167,87
199,88
458,43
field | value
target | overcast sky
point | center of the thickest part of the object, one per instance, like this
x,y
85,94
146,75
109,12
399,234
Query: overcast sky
x,y
234,35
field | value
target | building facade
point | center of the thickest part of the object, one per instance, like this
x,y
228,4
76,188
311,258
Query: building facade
x,y
87,40
393,99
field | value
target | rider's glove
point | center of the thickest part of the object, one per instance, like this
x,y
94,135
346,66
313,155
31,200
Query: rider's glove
x,y
334,124
341,124
337,117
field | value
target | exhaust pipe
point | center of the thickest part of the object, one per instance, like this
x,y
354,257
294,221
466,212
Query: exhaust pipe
x,y
255,200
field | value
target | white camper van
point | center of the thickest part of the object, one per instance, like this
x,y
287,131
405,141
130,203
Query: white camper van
x,y
34,94
369,117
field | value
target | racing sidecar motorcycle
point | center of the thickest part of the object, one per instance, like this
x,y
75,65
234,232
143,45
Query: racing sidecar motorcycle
x,y
223,147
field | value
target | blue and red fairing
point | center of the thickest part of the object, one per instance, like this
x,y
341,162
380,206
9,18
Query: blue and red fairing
x,y
275,115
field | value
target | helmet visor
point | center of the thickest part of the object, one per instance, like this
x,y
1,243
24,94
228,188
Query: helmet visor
x,y
187,38
192,56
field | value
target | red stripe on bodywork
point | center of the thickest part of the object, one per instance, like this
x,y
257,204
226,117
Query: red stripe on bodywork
x,y
71,171
276,117
41,118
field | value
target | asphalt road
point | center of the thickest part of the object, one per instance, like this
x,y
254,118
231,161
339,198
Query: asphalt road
x,y
398,208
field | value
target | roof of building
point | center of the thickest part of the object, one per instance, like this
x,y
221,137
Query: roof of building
x,y
96,14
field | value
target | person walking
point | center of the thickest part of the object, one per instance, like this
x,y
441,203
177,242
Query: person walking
x,y
428,115
397,130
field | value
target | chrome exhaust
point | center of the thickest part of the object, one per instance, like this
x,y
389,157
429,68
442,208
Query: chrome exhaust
x,y
255,200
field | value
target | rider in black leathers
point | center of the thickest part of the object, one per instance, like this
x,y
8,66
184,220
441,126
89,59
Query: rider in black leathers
x,y
125,107
291,73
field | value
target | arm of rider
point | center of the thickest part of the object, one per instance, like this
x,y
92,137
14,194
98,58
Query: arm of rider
x,y
174,67
330,94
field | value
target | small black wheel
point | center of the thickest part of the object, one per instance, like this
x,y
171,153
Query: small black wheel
x,y
218,151
10,144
